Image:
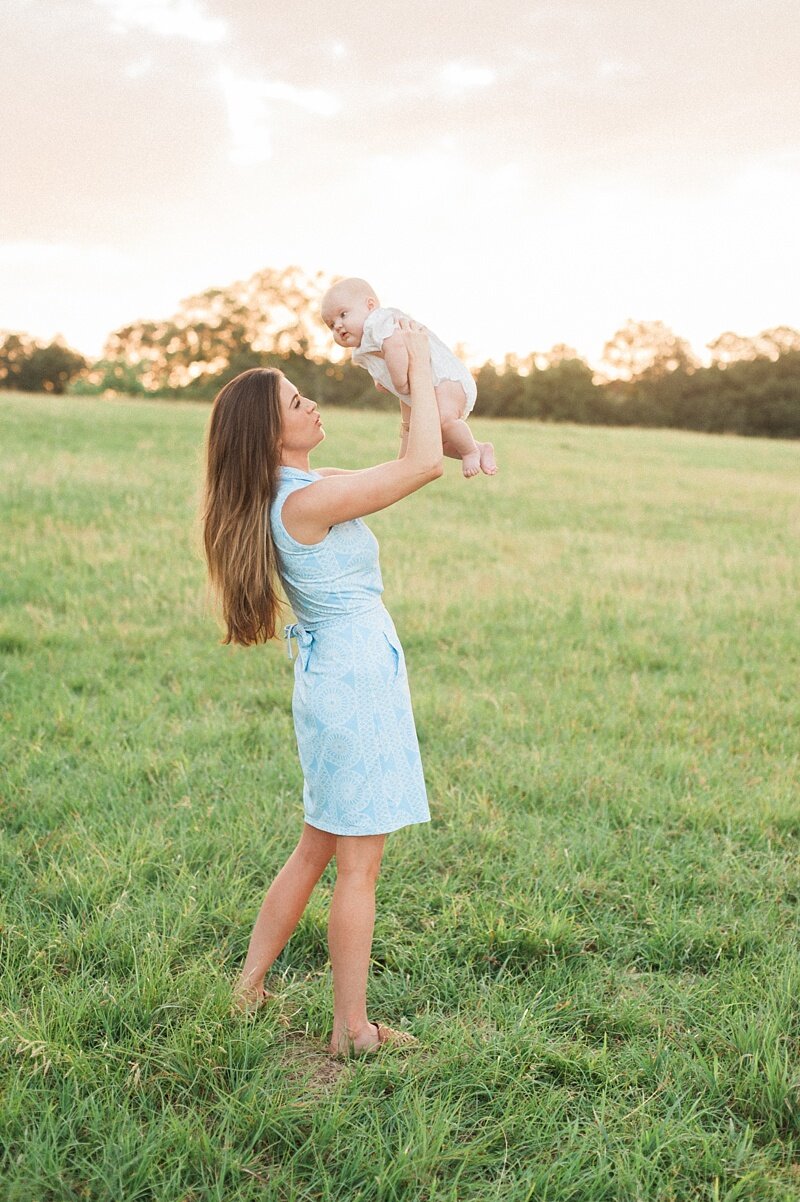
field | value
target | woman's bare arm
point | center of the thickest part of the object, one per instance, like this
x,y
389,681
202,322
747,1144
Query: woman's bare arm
x,y
405,426
309,513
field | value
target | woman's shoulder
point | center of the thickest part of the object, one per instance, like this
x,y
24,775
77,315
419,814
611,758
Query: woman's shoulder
x,y
290,479
294,477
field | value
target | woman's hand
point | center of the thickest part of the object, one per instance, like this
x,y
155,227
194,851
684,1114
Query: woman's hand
x,y
416,341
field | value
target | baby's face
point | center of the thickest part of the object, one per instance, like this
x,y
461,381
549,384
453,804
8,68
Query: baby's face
x,y
344,314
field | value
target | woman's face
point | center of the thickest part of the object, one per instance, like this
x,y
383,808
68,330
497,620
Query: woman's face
x,y
301,425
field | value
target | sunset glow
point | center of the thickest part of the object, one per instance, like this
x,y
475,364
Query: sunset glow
x,y
534,174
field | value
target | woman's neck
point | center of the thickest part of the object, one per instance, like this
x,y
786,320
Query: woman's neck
x,y
298,459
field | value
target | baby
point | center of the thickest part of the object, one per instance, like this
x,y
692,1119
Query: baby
x,y
352,312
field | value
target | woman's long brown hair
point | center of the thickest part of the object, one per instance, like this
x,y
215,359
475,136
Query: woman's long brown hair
x,y
242,461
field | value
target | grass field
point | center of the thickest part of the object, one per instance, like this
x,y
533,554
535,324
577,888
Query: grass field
x,y
595,939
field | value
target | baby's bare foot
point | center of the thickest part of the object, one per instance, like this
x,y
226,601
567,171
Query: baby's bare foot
x,y
471,463
487,461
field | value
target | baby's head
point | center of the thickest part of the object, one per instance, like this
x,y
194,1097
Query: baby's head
x,y
345,307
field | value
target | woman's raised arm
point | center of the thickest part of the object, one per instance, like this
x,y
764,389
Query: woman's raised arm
x,y
308,513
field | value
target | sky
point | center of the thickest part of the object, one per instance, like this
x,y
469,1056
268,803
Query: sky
x,y
514,174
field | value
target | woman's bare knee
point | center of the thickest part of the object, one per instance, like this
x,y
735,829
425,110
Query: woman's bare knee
x,y
359,856
316,847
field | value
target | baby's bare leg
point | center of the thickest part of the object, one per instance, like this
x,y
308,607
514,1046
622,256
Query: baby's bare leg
x,y
457,440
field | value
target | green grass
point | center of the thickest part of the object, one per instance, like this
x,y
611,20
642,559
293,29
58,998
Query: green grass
x,y
596,937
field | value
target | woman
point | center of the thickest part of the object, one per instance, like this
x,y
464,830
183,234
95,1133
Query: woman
x,y
269,517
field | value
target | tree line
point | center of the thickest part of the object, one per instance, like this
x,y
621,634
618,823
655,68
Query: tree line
x,y
649,376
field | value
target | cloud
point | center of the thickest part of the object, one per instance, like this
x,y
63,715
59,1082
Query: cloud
x,y
324,104
247,120
617,69
50,254
458,77
247,102
646,157
140,68
168,18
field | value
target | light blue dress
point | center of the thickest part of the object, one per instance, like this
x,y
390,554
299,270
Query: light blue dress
x,y
351,705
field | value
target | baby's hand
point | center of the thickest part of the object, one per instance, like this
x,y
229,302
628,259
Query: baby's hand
x,y
415,339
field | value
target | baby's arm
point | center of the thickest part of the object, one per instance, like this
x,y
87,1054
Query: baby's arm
x,y
395,356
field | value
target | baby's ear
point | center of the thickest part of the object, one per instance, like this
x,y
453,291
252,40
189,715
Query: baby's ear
x,y
371,303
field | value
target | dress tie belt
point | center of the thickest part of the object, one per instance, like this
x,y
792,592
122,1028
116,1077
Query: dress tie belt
x,y
304,639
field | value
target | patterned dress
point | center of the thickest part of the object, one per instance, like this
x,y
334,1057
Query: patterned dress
x,y
351,705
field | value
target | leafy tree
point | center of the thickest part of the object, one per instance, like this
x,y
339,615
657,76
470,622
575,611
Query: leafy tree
x,y
768,395
31,366
502,391
15,351
560,353
272,312
563,392
109,377
769,344
731,348
646,348
780,340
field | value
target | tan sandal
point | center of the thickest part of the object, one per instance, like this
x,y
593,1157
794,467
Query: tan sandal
x,y
248,1004
394,1038
387,1037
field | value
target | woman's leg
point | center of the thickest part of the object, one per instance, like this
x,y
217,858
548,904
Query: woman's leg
x,y
282,907
350,927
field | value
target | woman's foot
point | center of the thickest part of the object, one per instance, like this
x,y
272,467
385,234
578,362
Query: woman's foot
x,y
367,1041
